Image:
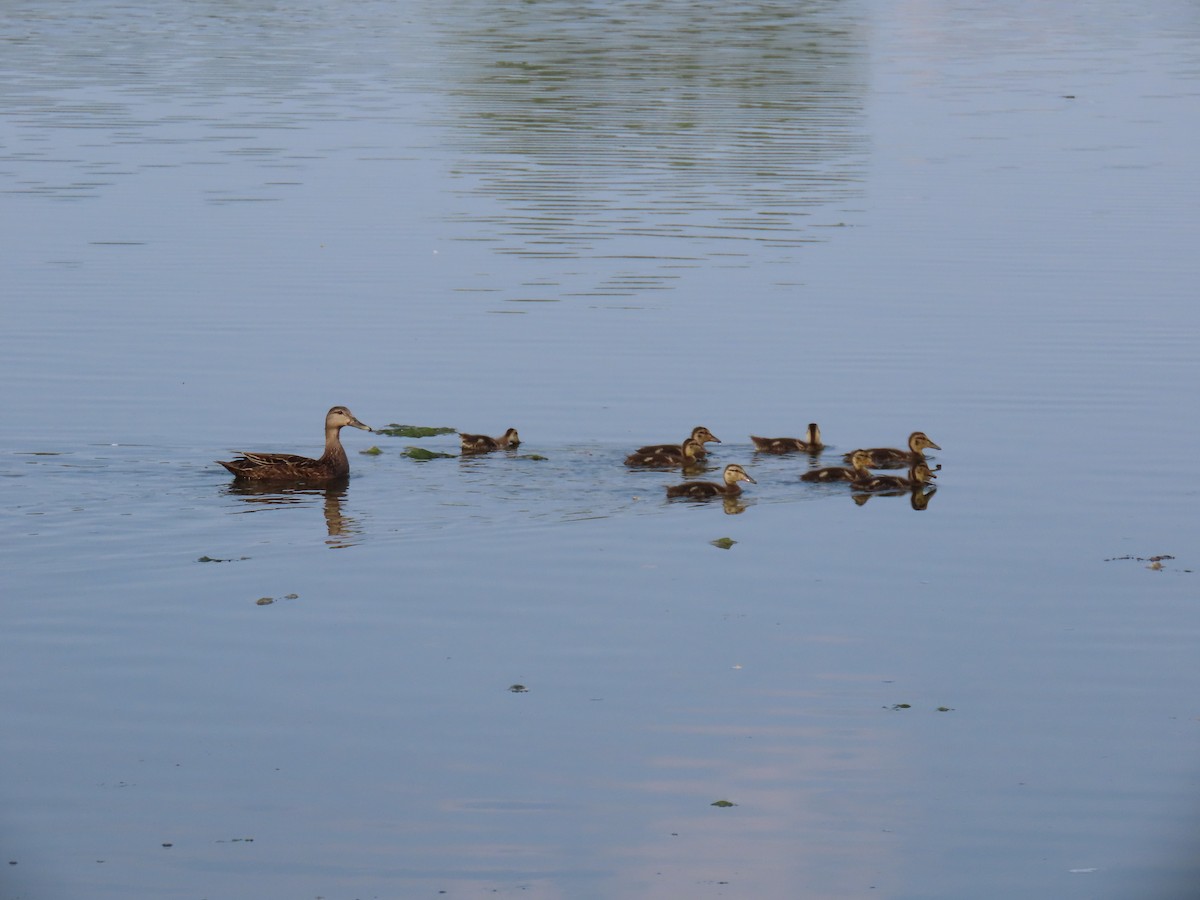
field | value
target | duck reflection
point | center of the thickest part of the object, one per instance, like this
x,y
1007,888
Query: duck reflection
x,y
916,486
918,497
342,530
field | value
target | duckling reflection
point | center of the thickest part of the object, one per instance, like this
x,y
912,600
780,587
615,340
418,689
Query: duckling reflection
x,y
810,443
918,497
893,458
340,528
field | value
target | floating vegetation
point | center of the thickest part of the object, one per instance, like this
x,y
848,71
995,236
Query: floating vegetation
x,y
1154,563
902,706
518,689
267,601
413,431
945,708
722,803
534,456
215,559
420,453
724,543
371,451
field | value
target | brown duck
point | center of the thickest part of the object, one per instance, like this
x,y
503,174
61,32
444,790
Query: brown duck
x,y
285,467
860,461
810,443
700,435
893,458
481,443
690,454
703,489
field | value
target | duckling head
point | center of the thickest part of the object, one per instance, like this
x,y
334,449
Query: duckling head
x,y
860,459
510,438
702,434
735,473
919,441
813,435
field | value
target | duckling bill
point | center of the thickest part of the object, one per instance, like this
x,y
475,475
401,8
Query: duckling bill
x,y
332,465
699,490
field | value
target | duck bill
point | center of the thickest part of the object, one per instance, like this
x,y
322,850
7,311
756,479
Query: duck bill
x,y
357,424
749,479
934,446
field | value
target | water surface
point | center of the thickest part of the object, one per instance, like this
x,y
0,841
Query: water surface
x,y
601,224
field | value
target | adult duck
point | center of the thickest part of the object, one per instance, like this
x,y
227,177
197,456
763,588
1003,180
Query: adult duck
x,y
699,490
860,462
700,435
332,465
893,458
810,443
482,443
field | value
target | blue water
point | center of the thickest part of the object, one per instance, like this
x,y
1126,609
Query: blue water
x,y
602,225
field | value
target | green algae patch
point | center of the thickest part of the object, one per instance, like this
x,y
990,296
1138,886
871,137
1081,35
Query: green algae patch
x,y
413,431
723,543
722,803
420,453
371,451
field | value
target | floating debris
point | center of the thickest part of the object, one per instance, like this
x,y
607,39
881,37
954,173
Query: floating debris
x,y
227,559
413,431
534,456
1145,559
902,706
265,601
518,689
723,804
421,454
724,543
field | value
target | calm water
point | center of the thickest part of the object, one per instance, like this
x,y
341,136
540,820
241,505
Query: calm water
x,y
602,224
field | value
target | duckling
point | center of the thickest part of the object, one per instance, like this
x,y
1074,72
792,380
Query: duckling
x,y
481,443
691,454
919,474
859,459
810,443
700,435
704,489
891,458
285,467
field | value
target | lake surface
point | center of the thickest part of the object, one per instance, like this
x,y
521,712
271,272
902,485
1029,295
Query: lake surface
x,y
529,674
